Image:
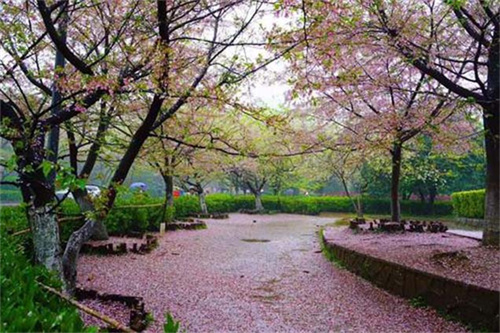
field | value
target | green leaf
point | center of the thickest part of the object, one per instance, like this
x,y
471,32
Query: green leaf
x,y
47,167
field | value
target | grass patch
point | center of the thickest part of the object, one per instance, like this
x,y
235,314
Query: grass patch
x,y
328,255
418,302
341,223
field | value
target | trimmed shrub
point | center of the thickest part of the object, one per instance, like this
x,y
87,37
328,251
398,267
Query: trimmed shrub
x,y
469,203
10,195
187,204
125,218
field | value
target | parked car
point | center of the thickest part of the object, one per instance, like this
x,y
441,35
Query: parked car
x,y
92,190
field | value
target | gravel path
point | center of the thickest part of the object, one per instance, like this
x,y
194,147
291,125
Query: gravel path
x,y
268,276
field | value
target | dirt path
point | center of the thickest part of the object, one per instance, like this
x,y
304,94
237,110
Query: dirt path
x,y
267,276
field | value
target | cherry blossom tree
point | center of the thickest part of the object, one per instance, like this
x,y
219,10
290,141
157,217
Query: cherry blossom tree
x,y
454,43
187,52
370,91
457,44
197,170
382,105
38,97
183,147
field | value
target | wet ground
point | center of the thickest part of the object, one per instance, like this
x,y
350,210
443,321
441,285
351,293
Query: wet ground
x,y
255,274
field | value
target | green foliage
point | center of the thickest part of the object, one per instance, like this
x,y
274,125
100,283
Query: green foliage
x,y
26,307
170,326
185,205
12,218
125,217
428,170
329,255
169,214
10,195
469,203
418,302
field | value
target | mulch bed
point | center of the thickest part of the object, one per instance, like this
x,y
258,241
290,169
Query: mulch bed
x,y
455,257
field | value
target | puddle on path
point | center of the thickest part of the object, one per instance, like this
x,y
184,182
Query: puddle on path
x,y
255,240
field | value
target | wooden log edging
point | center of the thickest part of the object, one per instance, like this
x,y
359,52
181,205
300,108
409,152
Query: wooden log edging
x,y
189,224
217,216
114,324
121,248
138,315
468,303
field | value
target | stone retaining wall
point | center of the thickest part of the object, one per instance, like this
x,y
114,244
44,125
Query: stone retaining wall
x,y
471,304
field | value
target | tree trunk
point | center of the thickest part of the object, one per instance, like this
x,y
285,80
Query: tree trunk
x,y
100,231
359,209
75,242
491,121
395,177
356,203
78,238
2,168
72,251
60,63
258,201
432,194
421,194
203,204
45,233
169,187
169,196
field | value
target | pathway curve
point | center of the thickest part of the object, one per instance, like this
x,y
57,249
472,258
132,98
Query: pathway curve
x,y
267,276
467,233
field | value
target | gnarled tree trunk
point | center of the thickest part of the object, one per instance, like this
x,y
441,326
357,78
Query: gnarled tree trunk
x,y
72,251
100,231
45,232
169,196
78,238
258,201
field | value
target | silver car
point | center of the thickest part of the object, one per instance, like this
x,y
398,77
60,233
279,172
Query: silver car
x,y
92,190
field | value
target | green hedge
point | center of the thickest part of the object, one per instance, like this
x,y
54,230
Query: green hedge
x,y
26,307
469,203
122,219
10,195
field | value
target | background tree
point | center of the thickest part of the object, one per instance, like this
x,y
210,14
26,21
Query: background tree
x,y
457,44
370,91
